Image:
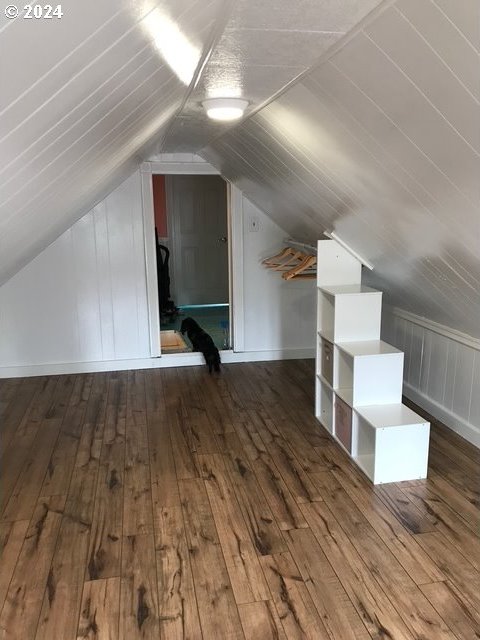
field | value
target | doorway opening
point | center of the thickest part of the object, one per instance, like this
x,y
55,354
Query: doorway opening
x,y
192,245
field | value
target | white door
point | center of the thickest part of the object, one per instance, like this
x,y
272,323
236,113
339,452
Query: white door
x,y
197,210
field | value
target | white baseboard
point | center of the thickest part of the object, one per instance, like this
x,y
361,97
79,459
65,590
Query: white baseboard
x,y
450,419
171,360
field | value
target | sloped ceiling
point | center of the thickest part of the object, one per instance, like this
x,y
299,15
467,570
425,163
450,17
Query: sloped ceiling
x,y
380,140
381,143
80,96
85,97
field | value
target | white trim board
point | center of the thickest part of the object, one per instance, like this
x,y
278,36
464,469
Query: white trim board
x,y
443,330
180,168
236,263
172,360
150,263
235,197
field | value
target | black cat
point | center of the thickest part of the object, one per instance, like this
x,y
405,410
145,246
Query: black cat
x,y
202,342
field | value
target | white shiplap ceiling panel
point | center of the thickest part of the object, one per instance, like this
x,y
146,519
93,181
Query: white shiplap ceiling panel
x,y
446,39
464,16
421,121
400,41
394,149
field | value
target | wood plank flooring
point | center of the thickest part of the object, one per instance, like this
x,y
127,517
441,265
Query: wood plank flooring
x,y
173,504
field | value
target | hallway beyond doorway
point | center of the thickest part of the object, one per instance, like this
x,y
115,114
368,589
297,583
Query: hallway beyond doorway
x,y
214,319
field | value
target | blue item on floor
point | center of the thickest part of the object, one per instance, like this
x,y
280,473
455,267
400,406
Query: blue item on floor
x,y
213,319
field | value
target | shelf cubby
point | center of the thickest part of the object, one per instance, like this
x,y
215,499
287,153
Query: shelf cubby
x,y
368,372
349,312
390,443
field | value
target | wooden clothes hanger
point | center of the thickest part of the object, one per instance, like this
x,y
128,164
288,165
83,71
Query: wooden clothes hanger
x,y
295,263
303,271
295,258
278,256
280,259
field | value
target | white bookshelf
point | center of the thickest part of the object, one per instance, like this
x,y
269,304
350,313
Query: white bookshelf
x,y
359,377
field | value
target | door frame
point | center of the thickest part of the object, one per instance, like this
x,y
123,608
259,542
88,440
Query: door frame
x,y
235,248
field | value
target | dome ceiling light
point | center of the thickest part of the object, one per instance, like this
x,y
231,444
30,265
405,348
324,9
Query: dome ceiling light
x,y
225,109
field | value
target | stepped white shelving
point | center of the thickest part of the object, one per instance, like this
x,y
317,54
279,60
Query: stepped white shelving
x,y
359,377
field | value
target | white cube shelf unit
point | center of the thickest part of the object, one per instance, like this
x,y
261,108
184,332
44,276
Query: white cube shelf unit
x,y
359,378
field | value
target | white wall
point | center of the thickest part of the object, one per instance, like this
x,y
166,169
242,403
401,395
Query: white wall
x,y
84,298
277,314
442,370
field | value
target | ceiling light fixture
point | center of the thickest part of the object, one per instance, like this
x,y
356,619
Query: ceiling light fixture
x,y
225,109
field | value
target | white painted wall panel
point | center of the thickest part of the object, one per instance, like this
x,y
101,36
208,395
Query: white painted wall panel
x,y
427,348
84,272
441,372
474,417
105,303
84,297
26,309
437,370
450,366
462,393
277,314
415,355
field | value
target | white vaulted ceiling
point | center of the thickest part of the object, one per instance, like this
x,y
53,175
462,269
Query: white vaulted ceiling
x,y
363,118
84,98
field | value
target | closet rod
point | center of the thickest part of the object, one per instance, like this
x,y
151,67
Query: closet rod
x,y
301,245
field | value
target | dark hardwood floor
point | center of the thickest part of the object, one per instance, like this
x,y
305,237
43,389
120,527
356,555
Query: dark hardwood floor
x,y
172,504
